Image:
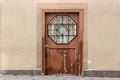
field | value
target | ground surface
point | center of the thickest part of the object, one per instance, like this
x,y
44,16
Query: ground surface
x,y
51,77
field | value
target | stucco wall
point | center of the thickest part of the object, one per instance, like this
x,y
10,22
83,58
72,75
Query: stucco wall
x,y
20,32
0,39
104,34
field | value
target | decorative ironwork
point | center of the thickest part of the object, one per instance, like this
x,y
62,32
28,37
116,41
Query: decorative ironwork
x,y
62,29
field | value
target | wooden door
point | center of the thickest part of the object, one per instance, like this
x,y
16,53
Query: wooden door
x,y
62,47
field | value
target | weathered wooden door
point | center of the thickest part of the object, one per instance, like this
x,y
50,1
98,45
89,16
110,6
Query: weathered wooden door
x,y
62,46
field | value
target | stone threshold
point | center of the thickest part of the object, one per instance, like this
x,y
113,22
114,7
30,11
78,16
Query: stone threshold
x,y
86,73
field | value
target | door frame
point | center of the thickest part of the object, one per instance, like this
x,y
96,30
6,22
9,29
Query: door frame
x,y
81,15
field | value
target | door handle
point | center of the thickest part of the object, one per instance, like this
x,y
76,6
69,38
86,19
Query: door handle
x,y
46,50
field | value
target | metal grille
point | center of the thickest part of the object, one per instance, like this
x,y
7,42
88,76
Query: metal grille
x,y
62,29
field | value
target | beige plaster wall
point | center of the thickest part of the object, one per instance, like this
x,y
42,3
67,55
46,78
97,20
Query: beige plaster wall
x,y
21,40
104,34
0,38
18,34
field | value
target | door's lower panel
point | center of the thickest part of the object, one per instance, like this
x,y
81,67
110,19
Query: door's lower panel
x,y
61,60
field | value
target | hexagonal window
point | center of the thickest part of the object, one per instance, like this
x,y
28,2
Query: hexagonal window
x,y
62,29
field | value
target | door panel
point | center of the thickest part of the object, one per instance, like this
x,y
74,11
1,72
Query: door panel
x,y
62,48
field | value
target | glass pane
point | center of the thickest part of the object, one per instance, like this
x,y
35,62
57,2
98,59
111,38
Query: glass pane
x,y
72,32
51,26
74,27
59,39
59,19
65,19
66,26
71,26
53,37
65,39
57,33
53,22
66,33
71,21
62,29
51,32
71,37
